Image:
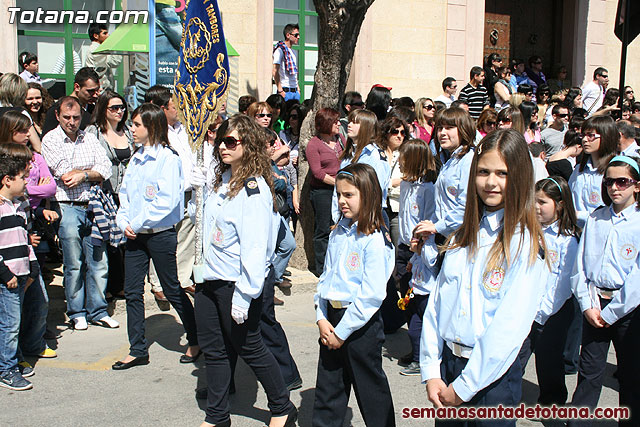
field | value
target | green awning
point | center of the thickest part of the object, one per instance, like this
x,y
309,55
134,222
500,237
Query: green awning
x,y
230,50
126,39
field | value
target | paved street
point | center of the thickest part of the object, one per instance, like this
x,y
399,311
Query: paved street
x,y
79,388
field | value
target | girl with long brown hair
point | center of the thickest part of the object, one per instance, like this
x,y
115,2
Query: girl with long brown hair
x,y
238,223
348,300
476,321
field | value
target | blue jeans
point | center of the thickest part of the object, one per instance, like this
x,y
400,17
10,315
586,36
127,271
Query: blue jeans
x,y
34,318
285,245
292,95
85,265
10,312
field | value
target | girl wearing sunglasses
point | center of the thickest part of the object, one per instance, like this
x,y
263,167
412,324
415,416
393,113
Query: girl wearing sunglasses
x,y
605,280
238,224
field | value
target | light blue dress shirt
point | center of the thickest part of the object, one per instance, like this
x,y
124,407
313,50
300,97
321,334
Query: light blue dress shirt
x,y
375,157
416,204
608,258
586,191
356,270
451,192
238,237
424,276
561,253
490,312
151,194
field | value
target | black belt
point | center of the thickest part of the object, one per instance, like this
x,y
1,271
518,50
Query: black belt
x,y
70,203
290,89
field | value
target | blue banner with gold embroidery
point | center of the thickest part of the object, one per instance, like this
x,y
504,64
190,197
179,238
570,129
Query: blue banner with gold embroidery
x,y
202,78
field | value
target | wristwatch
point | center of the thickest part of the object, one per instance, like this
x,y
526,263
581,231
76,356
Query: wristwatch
x,y
86,177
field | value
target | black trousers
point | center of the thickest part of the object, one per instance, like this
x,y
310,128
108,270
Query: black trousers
x,y
505,391
273,335
161,248
574,339
357,363
548,343
625,334
222,339
321,202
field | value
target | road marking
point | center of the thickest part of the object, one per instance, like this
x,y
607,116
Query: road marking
x,y
103,364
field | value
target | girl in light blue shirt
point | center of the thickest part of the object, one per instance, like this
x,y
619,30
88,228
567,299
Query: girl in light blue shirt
x,y
350,292
605,281
488,290
548,336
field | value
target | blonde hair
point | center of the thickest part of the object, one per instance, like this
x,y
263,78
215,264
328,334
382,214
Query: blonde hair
x,y
13,90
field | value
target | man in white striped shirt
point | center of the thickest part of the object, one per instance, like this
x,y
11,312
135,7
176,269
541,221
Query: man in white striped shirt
x,y
78,161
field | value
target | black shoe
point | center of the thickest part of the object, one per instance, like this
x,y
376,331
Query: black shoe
x,y
190,359
277,301
286,273
285,284
295,385
138,361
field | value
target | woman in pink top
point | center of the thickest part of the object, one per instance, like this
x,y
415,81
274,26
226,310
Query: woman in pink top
x,y
425,112
14,127
323,152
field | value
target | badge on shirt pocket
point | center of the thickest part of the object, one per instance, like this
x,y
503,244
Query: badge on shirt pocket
x,y
415,210
628,252
553,256
452,190
594,198
150,192
492,280
218,237
353,261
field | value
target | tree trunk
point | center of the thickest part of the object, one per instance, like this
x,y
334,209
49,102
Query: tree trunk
x,y
339,23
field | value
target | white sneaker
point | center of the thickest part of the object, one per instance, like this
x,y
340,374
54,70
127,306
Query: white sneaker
x,y
106,322
80,324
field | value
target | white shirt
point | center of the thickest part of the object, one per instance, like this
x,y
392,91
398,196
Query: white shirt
x,y
446,99
179,141
592,97
286,80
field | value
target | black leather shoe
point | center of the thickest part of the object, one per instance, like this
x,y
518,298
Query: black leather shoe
x,y
138,361
190,359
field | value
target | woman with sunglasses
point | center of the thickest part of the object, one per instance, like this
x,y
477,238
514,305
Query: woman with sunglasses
x,y
151,204
486,124
599,141
291,135
110,127
238,224
628,97
425,112
263,114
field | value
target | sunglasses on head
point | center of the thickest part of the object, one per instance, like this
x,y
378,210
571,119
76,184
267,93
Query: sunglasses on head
x,y
261,115
229,142
621,183
396,131
119,107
